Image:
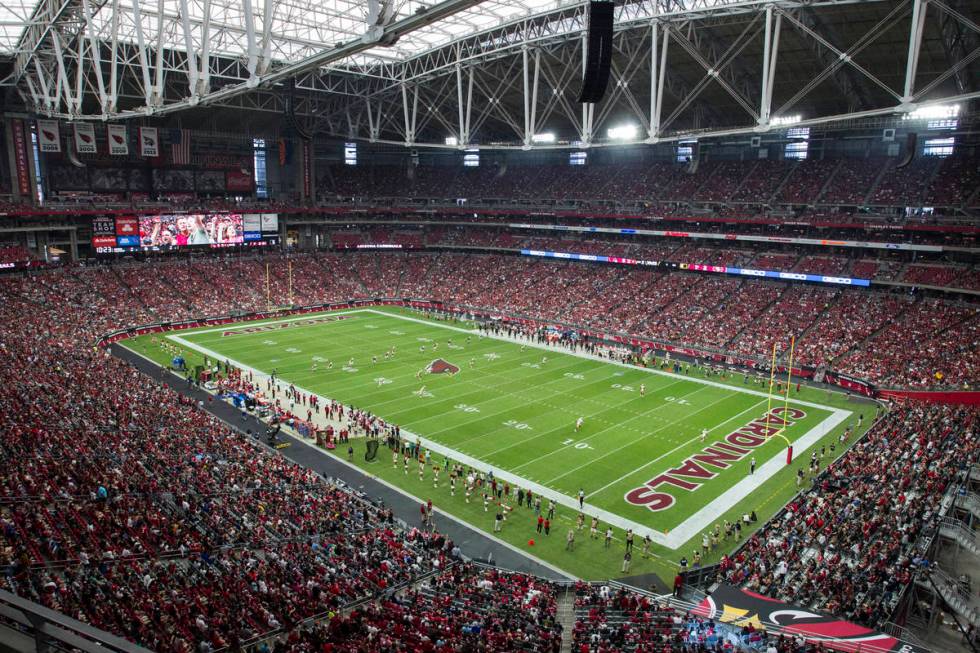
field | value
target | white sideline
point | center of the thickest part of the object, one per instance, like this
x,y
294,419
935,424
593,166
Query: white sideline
x,y
676,536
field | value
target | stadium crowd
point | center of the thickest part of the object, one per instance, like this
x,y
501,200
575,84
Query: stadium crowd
x,y
875,181
846,546
865,334
130,508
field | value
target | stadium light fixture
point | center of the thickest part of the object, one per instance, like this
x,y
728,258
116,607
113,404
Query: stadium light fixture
x,y
452,140
547,137
622,132
786,120
932,111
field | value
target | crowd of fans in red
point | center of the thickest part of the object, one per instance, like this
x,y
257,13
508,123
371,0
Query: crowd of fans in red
x,y
126,506
846,546
874,181
465,608
889,339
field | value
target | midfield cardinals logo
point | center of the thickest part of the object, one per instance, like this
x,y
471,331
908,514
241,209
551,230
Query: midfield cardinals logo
x,y
440,366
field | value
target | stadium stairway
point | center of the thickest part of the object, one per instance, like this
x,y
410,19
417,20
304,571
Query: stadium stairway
x,y
566,617
970,502
956,597
957,531
877,182
782,182
828,182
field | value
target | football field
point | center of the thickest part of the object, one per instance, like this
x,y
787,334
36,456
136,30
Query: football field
x,y
664,454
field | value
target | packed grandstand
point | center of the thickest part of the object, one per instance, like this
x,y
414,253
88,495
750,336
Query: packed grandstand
x,y
310,345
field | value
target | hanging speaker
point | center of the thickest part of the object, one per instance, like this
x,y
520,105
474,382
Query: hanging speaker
x,y
910,144
598,52
289,112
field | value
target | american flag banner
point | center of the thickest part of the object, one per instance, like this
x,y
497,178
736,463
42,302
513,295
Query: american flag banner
x,y
180,147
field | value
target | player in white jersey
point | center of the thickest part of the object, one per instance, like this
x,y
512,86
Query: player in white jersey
x,y
643,390
704,434
578,424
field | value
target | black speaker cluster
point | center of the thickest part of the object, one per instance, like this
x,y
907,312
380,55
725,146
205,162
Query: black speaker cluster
x,y
598,52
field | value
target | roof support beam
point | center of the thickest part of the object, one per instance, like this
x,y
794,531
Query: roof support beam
x,y
192,71
658,73
588,108
96,56
769,56
410,116
144,62
919,8
204,79
530,95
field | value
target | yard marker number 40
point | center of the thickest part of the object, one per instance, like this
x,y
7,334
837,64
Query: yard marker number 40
x,y
578,445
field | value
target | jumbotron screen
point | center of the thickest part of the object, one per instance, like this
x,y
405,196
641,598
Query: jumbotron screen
x,y
122,234
168,231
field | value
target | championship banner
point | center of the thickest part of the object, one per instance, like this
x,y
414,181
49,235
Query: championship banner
x,y
20,158
85,138
118,140
48,136
149,142
731,605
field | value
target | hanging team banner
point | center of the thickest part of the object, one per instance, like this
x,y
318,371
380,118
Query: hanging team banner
x,y
20,157
85,138
118,141
48,136
149,142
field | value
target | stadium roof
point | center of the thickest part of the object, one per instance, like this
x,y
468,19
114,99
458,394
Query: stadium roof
x,y
14,16
493,72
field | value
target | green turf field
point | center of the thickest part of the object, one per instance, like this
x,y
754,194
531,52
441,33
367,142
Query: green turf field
x,y
639,456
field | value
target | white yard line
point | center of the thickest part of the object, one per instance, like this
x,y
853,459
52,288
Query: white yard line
x,y
608,361
677,535
609,428
677,448
603,430
633,442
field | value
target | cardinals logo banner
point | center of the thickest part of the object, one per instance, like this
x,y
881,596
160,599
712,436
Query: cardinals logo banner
x,y
48,136
149,142
85,138
118,141
740,608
